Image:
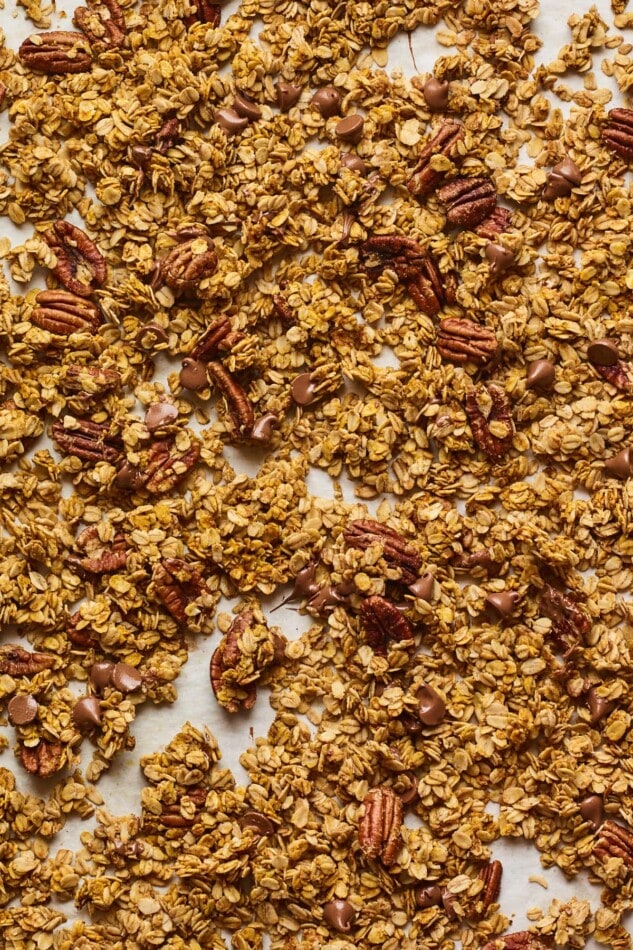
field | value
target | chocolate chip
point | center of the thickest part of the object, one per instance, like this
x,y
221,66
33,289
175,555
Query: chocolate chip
x,y
620,465
423,587
503,601
101,675
87,713
149,336
448,902
479,559
540,375
263,427
428,895
22,709
326,599
127,478
302,389
160,414
339,915
598,706
246,108
350,129
127,849
411,723
287,95
257,822
193,374
562,179
305,582
230,121
126,678
354,163
592,810
410,794
140,156
499,258
603,353
327,101
432,707
435,92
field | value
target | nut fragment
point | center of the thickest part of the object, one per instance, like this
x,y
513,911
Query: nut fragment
x,y
462,341
491,876
523,940
177,584
494,444
614,841
424,177
102,22
397,553
238,403
618,132
569,623
379,827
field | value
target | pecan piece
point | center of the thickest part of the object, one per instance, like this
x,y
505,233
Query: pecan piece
x,y
569,623
238,404
99,558
463,341
491,876
187,264
14,661
166,466
468,200
414,268
495,224
495,444
522,940
177,584
56,52
614,841
63,313
80,636
424,177
379,827
205,13
237,664
89,380
42,760
382,622
618,132
397,553
219,337
191,803
616,374
87,440
102,22
283,309
80,266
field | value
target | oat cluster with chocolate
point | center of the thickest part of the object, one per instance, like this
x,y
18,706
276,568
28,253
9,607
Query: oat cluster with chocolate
x,y
250,247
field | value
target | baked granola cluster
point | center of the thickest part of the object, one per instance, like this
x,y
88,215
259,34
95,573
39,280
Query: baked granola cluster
x,y
246,240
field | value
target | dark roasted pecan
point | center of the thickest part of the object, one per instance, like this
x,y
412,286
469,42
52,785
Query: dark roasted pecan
x,y
166,466
205,13
569,623
99,557
235,668
491,876
218,338
14,661
382,623
80,266
618,132
238,404
87,440
614,841
523,940
56,52
78,635
187,264
42,760
495,224
63,313
425,178
616,374
464,341
395,550
379,827
183,813
102,21
468,201
498,412
177,584
414,268
90,380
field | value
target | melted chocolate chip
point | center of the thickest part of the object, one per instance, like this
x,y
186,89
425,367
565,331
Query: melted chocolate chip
x,y
354,163
435,93
22,709
423,587
263,427
257,822
562,179
87,713
150,336
159,415
603,353
339,915
598,706
127,478
230,121
287,95
432,708
499,258
302,389
503,602
327,101
101,675
540,375
140,156
350,129
592,810
620,465
428,895
246,108
126,678
193,375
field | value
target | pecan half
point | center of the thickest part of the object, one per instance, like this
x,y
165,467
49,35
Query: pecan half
x,y
495,224
87,440
56,52
238,404
614,841
617,132
237,664
219,337
397,553
382,622
494,444
99,558
414,268
522,940
80,266
491,876
379,827
102,22
42,760
569,623
177,584
464,341
616,374
468,201
424,177
205,13
14,661
187,264
166,466
63,313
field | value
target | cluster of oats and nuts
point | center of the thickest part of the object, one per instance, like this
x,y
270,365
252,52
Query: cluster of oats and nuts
x,y
245,239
